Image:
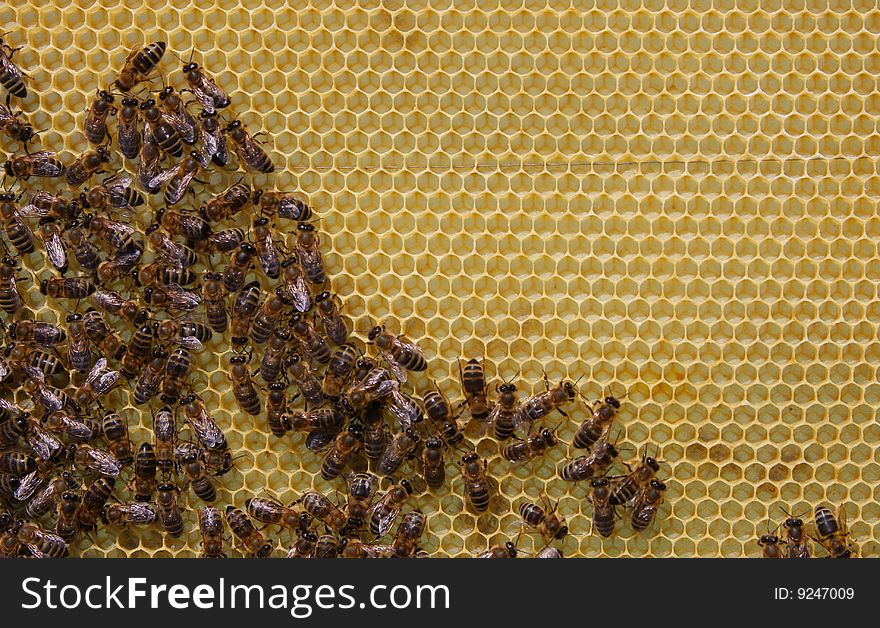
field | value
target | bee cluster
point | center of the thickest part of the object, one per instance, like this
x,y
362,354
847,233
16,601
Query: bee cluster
x,y
829,531
63,450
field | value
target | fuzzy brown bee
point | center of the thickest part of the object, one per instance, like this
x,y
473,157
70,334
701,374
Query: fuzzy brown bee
x,y
250,154
95,127
86,166
139,64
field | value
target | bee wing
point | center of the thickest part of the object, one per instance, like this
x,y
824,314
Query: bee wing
x,y
210,146
174,196
107,299
205,429
5,114
190,342
164,176
29,485
181,299
34,373
77,429
398,371
56,251
387,520
99,368
107,381
182,123
209,93
268,253
103,462
140,513
45,164
50,537
32,211
316,441
35,551
400,409
300,294
44,444
7,407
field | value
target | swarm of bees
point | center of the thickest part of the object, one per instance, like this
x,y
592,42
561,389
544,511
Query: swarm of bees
x,y
146,283
828,531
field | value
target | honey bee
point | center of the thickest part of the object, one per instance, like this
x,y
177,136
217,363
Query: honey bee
x,y
478,488
171,297
165,435
308,253
11,76
383,513
321,508
312,344
17,463
325,421
328,312
603,511
17,231
597,424
439,411
211,528
647,503
39,542
547,522
587,467
21,356
100,333
170,517
98,382
533,446
92,503
38,333
190,227
184,332
138,65
203,426
95,128
117,234
506,415
139,350
86,166
145,465
409,532
538,406
273,357
276,407
271,512
402,447
770,546
13,428
250,154
162,274
355,548
221,242
508,550
796,540
84,251
40,164
360,488
15,125
833,533
204,88
148,167
327,546
243,387
94,459
201,483
67,523
116,432
168,250
241,527
56,252
306,540
340,367
214,298
135,513
226,204
10,298
43,204
44,444
550,552
160,131
35,387
628,487
122,262
266,318
115,304
214,145
267,252
128,128
178,179
47,498
82,429
398,353
114,193
433,464
150,379
346,445
293,282
376,386
240,263
176,113
282,204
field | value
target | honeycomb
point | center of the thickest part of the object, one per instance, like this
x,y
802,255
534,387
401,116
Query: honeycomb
x,y
672,199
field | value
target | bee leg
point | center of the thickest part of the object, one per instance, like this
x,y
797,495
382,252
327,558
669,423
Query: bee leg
x,y
546,381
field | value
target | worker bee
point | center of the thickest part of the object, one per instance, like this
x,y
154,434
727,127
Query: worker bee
x,y
647,503
135,513
221,242
327,546
86,166
214,148
171,297
93,501
11,76
312,344
190,227
293,282
17,231
201,423
98,382
145,465
533,446
100,333
114,193
340,454
538,406
282,204
47,498
236,270
176,113
148,167
13,428
115,304
383,513
340,367
43,204
547,522
84,251
305,380
399,353
243,387
178,179
95,128
150,379
140,347
587,467
115,233
34,386
276,407
770,545
266,318
508,550
15,125
121,263
162,274
629,486
17,463
597,424
10,298
170,517
177,369
22,356
439,411
360,488
506,415
273,357
211,528
402,447
409,532
97,460
38,333
267,252
433,464
39,542
165,435
214,298
328,312
201,483
796,540
272,512
172,330
43,443
138,65
56,252
477,486
160,131
250,154
226,204
82,429
40,164
603,511
241,527
376,386
321,508
833,533
308,253
67,524
204,88
168,250
116,432
128,128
